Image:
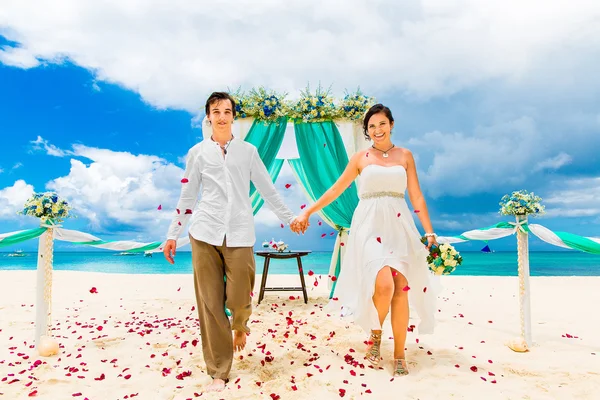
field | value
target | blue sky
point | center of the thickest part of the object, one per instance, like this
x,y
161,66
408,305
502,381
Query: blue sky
x,y
107,118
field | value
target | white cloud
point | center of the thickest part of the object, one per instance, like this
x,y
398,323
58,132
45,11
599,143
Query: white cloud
x,y
174,55
577,198
1,170
17,166
492,157
120,187
554,163
13,197
50,149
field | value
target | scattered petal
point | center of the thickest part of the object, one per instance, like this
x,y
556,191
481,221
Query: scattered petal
x,y
378,239
288,185
93,290
159,207
406,288
185,180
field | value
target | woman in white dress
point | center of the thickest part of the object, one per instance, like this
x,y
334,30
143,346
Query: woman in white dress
x,y
385,262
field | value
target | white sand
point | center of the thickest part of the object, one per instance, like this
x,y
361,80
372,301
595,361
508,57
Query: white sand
x,y
280,357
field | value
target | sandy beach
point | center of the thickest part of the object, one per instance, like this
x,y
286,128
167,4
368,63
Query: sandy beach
x,y
137,336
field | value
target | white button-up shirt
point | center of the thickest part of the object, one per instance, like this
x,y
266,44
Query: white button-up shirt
x,y
224,209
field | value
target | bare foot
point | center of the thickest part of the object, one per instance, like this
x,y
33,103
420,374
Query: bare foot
x,y
239,341
217,385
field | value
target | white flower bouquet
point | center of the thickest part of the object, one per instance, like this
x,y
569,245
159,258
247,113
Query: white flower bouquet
x,y
443,259
521,203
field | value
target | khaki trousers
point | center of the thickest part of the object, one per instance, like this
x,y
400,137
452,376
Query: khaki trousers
x,y
213,294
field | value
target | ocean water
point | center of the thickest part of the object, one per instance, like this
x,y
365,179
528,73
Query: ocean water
x,y
560,263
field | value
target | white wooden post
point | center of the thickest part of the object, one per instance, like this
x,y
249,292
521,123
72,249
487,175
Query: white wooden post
x,y
524,288
44,285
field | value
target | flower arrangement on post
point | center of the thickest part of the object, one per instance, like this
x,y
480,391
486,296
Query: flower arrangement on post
x,y
314,107
48,207
354,106
521,203
265,105
442,259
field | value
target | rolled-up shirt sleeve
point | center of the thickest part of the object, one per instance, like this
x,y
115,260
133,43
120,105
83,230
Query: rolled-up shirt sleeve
x,y
262,181
190,187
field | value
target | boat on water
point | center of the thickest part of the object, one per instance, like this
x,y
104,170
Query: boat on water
x,y
17,253
487,249
147,254
126,253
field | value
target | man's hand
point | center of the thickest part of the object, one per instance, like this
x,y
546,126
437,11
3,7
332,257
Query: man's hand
x,y
300,223
169,250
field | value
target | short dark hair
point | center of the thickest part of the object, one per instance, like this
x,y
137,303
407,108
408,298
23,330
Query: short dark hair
x,y
216,97
376,109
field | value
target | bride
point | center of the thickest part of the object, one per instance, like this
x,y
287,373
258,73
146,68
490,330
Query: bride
x,y
385,261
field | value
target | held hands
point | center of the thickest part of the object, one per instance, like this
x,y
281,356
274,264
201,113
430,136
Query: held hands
x,y
169,250
300,223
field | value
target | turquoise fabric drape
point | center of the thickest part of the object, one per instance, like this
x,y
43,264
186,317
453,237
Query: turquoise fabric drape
x,y
22,237
267,138
322,160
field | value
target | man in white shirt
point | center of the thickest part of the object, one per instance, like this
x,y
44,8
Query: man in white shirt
x,y
222,233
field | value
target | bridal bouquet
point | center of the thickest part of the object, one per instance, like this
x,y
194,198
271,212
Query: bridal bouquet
x,y
47,207
443,259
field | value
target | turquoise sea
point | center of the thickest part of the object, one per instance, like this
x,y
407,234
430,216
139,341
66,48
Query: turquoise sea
x,y
561,263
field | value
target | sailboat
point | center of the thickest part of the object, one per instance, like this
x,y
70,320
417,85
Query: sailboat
x,y
487,249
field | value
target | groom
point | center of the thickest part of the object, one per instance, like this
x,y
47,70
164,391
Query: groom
x,y
222,233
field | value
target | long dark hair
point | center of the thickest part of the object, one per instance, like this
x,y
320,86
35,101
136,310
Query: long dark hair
x,y
376,109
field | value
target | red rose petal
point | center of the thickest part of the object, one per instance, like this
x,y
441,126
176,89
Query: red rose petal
x,y
323,235
178,211
188,211
417,211
302,206
185,180
93,290
424,289
288,185
310,273
281,225
320,223
379,239
333,278
342,244
398,215
160,207
406,288
474,368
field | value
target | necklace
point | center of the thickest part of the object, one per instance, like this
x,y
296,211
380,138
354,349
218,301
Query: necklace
x,y
224,148
385,153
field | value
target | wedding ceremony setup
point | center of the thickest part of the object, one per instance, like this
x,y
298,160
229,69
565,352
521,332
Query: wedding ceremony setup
x,y
327,132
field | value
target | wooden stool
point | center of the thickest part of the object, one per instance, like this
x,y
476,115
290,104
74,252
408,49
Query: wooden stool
x,y
268,255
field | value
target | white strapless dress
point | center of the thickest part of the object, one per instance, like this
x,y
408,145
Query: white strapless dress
x,y
382,233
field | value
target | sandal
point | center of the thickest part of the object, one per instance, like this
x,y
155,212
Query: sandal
x,y
400,367
373,348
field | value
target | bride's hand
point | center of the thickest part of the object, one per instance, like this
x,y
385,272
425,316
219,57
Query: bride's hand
x,y
431,241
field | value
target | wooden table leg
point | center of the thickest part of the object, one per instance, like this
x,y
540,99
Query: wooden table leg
x,y
301,272
263,282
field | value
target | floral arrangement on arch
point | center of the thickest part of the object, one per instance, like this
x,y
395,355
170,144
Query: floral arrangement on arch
x,y
242,106
265,105
314,107
48,207
354,105
442,259
521,203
